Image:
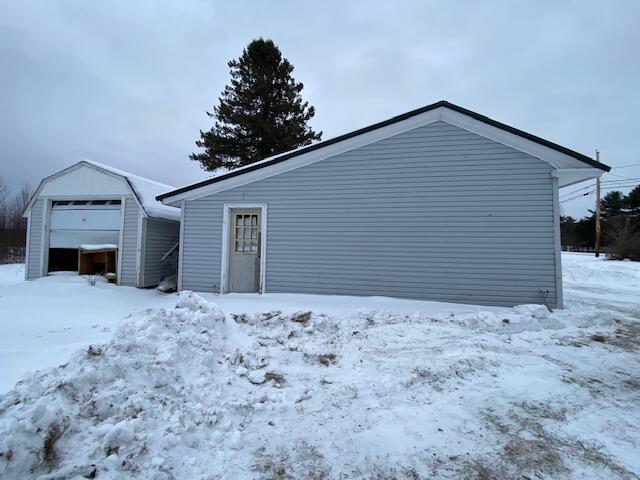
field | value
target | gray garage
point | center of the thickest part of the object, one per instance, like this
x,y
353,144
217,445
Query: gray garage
x,y
94,217
440,203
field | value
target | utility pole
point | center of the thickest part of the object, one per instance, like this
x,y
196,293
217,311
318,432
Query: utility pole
x,y
598,232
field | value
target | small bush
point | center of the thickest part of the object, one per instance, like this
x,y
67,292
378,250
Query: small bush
x,y
624,239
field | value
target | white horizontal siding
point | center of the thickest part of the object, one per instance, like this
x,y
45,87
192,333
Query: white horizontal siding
x,y
436,213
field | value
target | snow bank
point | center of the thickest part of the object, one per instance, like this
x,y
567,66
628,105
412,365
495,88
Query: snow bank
x,y
117,406
397,389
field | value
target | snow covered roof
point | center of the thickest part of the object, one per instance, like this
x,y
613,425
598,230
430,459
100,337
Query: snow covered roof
x,y
146,190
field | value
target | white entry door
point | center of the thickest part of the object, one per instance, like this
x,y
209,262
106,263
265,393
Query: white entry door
x,y
74,223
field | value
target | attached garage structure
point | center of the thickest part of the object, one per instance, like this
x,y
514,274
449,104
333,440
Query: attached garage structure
x,y
91,206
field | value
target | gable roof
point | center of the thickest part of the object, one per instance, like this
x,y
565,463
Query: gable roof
x,y
144,190
400,118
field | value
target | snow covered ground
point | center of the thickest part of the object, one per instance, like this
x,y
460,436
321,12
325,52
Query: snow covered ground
x,y
288,386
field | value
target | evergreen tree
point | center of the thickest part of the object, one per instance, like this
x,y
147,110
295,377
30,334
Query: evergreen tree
x,y
612,205
260,114
632,201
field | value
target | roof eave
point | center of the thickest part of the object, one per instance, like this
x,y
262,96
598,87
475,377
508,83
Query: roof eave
x,y
443,103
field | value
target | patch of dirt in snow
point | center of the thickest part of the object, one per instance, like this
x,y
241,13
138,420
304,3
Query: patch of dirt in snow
x,y
185,393
529,442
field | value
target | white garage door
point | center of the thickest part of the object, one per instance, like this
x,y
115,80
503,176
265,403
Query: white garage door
x,y
74,223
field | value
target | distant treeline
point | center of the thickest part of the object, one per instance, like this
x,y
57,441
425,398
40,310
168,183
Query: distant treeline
x,y
620,224
13,228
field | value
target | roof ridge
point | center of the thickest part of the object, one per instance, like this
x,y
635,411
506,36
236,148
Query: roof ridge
x,y
398,118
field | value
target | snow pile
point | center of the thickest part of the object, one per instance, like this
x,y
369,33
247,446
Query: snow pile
x,y
114,407
380,389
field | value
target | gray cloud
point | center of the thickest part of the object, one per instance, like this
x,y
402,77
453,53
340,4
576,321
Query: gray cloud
x,y
127,83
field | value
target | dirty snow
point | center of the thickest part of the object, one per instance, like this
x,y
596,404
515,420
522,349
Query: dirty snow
x,y
369,388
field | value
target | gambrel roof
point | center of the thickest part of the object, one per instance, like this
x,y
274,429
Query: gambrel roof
x,y
144,190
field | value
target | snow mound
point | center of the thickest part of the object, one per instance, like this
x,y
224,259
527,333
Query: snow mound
x,y
182,392
521,318
128,399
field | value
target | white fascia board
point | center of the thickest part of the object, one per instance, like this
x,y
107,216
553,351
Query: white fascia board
x,y
556,159
570,176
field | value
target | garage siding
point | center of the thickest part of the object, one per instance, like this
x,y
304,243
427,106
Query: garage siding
x,y
34,267
130,243
159,236
437,213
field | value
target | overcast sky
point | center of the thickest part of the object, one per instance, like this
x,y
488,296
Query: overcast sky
x,y
127,83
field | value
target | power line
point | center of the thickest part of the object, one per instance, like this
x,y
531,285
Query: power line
x,y
578,196
621,185
619,176
628,165
607,184
625,179
578,190
562,200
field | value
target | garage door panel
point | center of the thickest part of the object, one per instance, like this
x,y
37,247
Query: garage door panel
x,y
75,238
85,219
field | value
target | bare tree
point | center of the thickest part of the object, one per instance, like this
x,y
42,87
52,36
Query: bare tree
x,y
624,235
17,205
13,227
4,195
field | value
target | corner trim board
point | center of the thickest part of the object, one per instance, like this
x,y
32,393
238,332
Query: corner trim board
x,y
27,247
123,201
139,250
43,236
557,242
181,243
